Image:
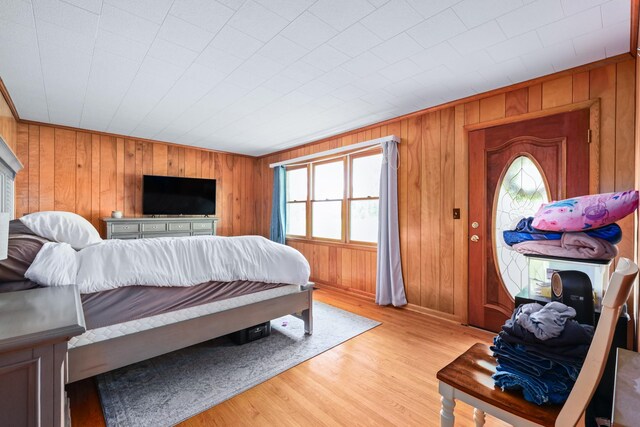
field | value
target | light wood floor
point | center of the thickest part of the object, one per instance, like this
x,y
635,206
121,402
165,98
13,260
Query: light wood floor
x,y
384,377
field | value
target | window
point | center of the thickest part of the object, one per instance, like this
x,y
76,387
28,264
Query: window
x,y
297,189
335,199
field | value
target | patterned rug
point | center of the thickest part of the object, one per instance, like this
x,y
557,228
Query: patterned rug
x,y
168,389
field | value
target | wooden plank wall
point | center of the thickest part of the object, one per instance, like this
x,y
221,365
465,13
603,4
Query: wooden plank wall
x,y
8,124
92,174
433,180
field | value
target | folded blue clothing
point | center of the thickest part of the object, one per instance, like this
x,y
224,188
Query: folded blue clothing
x,y
520,357
532,390
524,232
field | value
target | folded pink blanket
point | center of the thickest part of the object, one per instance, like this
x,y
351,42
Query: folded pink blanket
x,y
571,245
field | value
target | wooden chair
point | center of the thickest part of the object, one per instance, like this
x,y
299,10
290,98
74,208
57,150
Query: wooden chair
x,y
468,378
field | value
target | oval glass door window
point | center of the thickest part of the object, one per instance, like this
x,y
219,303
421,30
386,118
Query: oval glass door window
x,y
520,193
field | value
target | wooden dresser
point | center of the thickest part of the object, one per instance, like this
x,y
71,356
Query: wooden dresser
x,y
35,326
145,227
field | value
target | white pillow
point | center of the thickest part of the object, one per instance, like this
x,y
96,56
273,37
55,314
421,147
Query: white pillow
x,y
64,227
56,264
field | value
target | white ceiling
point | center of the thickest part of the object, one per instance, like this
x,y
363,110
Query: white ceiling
x,y
255,76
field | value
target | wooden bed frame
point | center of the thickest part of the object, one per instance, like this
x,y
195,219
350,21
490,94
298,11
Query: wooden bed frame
x,y
103,356
96,358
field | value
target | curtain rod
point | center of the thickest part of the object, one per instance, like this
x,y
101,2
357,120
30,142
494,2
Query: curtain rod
x,y
338,150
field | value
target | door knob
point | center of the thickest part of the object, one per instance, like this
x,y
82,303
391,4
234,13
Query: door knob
x,y
475,238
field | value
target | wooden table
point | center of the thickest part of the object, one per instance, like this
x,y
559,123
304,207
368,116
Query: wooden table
x,y
626,397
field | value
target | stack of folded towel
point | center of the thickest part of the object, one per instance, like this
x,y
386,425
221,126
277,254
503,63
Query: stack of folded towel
x,y
540,351
582,227
599,243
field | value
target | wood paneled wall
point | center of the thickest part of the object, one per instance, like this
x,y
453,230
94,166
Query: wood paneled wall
x,y
8,124
433,180
92,174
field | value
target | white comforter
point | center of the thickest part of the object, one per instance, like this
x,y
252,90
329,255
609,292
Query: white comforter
x,y
168,261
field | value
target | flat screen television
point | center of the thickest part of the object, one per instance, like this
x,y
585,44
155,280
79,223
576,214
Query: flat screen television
x,y
168,195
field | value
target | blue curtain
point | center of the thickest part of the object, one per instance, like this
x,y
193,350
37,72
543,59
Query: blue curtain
x,y
279,205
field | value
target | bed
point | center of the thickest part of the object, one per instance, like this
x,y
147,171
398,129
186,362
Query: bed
x,y
147,321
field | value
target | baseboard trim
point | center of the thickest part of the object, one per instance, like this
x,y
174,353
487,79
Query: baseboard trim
x,y
409,307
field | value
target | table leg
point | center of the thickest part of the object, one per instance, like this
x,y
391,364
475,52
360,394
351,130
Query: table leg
x,y
478,417
448,403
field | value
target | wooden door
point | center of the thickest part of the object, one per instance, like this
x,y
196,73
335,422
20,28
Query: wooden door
x,y
513,168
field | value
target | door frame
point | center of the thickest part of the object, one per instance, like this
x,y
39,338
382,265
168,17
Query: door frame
x,y
593,105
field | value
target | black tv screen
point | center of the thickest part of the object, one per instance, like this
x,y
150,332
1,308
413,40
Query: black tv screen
x,y
167,195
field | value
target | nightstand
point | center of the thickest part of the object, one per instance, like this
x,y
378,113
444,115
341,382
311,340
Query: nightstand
x,y
35,326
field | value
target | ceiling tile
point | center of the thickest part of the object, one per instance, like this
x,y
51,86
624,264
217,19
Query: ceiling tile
x,y
437,29
282,84
51,33
391,19
235,43
365,64
573,26
309,31
127,25
288,9
282,50
515,46
184,34
302,72
12,33
66,16
204,74
531,16
430,8
119,45
152,10
400,47
257,21
338,77
349,92
615,11
18,11
401,70
325,58
373,82
206,14
172,53
572,7
478,38
436,55
341,14
218,60
473,12
614,38
355,40
161,68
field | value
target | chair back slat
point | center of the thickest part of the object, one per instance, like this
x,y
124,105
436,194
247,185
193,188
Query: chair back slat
x,y
617,294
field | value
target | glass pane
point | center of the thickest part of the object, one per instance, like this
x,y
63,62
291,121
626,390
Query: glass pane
x,y
364,221
327,220
366,176
520,194
297,184
329,181
297,219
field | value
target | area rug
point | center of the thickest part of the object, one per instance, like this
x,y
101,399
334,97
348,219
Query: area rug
x,y
168,389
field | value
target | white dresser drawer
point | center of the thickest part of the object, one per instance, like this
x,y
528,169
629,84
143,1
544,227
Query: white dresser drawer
x,y
125,228
179,226
202,225
154,226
